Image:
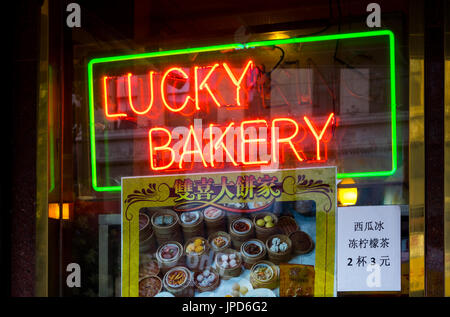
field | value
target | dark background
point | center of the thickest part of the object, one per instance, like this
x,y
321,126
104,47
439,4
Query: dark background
x,y
18,180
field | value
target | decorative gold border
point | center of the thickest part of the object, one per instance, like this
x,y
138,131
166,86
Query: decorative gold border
x,y
447,152
138,192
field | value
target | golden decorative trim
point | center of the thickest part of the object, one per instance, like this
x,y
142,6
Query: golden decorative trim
x,y
447,153
41,269
416,152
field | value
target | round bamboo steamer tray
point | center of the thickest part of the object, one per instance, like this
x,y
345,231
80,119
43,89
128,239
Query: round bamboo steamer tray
x,y
167,264
177,236
262,233
216,224
186,289
147,240
249,260
142,280
222,234
287,225
194,261
272,283
280,257
195,229
145,227
144,269
297,249
149,245
231,216
238,238
211,287
171,232
228,273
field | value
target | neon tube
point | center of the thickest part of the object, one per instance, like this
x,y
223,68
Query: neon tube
x,y
130,99
343,36
163,91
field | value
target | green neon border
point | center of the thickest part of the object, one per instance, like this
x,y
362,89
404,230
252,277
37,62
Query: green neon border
x,y
388,33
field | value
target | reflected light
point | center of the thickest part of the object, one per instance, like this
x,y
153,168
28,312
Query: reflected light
x,y
279,36
347,196
54,211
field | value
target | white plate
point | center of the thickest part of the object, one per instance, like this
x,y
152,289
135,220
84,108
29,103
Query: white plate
x,y
206,294
196,216
260,292
226,287
253,241
242,282
164,294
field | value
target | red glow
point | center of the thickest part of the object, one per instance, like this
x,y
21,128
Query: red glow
x,y
107,114
196,87
198,149
235,81
220,143
177,78
249,141
204,85
252,145
130,99
163,90
314,132
211,146
164,147
266,142
276,139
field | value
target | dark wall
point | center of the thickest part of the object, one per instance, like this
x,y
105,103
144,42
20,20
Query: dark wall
x,y
18,179
21,192
434,147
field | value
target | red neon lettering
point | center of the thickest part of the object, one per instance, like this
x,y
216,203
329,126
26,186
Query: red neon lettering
x,y
288,140
196,145
245,141
211,145
130,99
204,84
314,132
163,90
196,87
235,81
107,114
164,147
220,143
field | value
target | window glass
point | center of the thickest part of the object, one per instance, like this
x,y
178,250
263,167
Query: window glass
x,y
272,87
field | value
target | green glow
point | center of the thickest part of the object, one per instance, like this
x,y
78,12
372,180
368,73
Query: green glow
x,y
166,53
393,113
125,58
318,38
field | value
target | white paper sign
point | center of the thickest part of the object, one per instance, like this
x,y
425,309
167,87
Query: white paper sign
x,y
368,249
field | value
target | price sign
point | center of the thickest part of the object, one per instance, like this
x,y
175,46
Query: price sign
x,y
368,250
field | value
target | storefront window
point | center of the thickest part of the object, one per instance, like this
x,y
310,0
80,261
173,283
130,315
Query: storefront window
x,y
180,132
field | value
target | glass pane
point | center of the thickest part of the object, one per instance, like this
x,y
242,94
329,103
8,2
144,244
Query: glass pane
x,y
194,91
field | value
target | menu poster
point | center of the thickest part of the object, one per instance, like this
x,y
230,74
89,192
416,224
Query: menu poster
x,y
368,249
228,234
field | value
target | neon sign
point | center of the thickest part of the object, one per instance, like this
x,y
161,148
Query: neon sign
x,y
209,155
192,90
174,76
